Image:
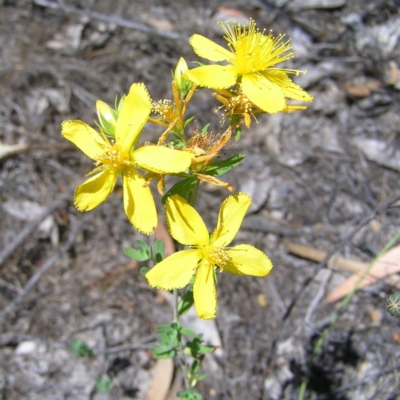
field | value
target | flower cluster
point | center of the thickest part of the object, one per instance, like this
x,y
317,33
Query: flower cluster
x,y
248,83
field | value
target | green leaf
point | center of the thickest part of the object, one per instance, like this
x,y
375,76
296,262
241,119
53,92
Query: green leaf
x,y
189,394
103,385
170,335
186,302
144,270
200,64
159,250
144,246
120,104
188,332
142,254
205,129
206,349
195,367
163,352
195,347
164,329
188,121
80,349
183,188
201,377
177,141
136,254
238,133
218,168
108,127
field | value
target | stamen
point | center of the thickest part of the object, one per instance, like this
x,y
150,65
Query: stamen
x,y
216,256
114,157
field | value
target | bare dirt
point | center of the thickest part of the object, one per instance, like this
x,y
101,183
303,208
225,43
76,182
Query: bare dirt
x,y
327,178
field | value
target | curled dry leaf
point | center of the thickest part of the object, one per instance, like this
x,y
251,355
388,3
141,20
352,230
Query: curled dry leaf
x,y
162,378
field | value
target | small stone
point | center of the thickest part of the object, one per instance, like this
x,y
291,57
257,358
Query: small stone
x,y
26,347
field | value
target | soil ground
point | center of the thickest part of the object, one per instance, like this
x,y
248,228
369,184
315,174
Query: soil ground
x,y
327,178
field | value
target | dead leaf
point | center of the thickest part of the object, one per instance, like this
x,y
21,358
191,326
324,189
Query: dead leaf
x,y
10,149
161,382
175,388
396,337
262,301
386,265
376,316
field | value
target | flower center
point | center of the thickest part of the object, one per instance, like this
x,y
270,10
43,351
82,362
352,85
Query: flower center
x,y
253,51
114,157
216,256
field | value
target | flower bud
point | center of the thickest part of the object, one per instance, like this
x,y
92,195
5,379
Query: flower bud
x,y
107,117
183,85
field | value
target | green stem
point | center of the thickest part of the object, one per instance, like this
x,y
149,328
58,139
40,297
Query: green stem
x,y
181,357
339,312
175,301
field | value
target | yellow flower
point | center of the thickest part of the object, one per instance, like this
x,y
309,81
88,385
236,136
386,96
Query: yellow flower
x,y
116,157
207,252
251,58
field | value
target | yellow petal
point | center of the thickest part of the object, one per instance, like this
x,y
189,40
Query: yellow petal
x,y
291,108
162,160
95,190
184,222
208,49
231,215
289,89
212,76
138,202
263,93
204,291
176,271
133,115
247,260
84,137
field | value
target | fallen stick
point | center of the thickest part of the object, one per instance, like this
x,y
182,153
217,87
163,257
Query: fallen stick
x,y
356,267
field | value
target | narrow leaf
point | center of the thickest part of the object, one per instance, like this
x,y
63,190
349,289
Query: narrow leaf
x,y
186,303
218,168
182,188
159,250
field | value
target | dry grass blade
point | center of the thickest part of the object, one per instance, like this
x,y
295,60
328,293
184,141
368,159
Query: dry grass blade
x,y
387,265
357,267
